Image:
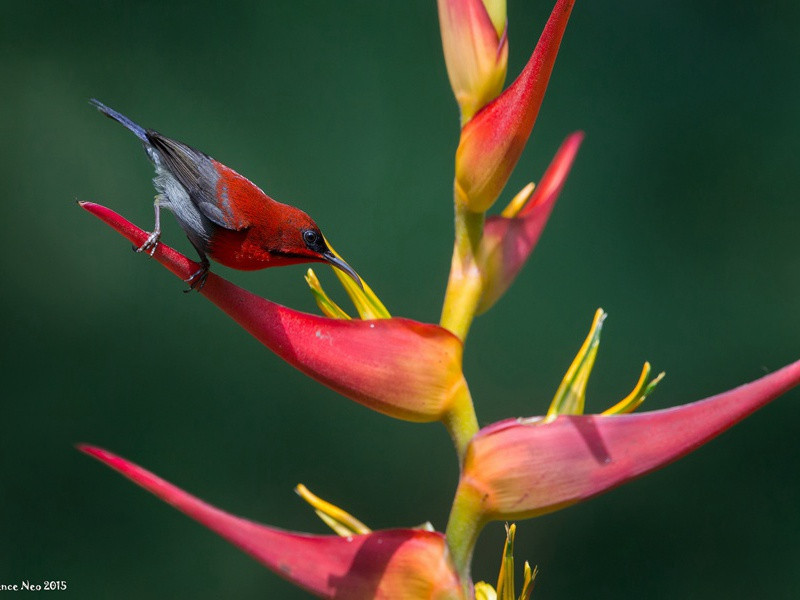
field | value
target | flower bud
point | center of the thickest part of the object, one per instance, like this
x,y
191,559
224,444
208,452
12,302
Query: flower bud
x,y
475,50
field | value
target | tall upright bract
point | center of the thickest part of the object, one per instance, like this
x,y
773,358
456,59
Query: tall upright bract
x,y
490,145
492,141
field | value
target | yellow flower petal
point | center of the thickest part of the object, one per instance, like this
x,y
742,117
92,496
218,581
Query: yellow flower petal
x,y
484,591
342,522
505,580
529,578
366,302
571,394
518,202
328,307
642,389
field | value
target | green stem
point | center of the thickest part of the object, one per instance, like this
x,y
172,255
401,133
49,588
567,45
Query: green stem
x,y
464,289
465,284
461,421
463,528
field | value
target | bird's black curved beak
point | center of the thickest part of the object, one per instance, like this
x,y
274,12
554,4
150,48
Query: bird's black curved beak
x,y
337,262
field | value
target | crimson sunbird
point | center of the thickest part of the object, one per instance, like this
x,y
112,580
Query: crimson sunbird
x,y
224,215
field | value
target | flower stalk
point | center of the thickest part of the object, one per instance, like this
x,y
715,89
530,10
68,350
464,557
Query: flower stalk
x,y
465,285
464,525
461,421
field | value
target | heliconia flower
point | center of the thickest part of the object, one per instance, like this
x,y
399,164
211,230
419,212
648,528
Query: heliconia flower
x,y
641,390
570,398
381,565
509,239
363,298
399,367
522,468
328,307
342,522
475,50
491,143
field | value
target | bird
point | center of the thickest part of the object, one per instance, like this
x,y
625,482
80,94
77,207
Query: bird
x,y
225,216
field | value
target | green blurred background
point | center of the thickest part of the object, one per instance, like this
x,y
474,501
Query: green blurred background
x,y
679,219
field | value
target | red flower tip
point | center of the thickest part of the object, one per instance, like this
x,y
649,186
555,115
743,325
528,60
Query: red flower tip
x,y
509,241
396,563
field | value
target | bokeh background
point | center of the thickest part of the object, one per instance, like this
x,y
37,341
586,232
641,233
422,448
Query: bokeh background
x,y
680,219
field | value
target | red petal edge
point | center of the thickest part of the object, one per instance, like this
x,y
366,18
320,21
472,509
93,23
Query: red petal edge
x,y
515,238
326,565
536,467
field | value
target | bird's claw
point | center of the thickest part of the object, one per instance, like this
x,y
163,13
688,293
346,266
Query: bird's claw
x,y
150,244
197,279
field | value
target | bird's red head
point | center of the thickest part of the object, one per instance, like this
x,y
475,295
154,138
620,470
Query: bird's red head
x,y
298,239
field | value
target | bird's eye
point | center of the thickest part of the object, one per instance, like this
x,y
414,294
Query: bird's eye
x,y
310,237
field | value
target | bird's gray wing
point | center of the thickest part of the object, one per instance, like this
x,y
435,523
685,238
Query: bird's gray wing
x,y
195,171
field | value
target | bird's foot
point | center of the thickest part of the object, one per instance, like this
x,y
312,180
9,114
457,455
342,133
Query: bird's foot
x,y
150,244
197,279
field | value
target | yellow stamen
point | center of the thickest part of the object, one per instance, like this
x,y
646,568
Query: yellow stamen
x,y
642,389
328,307
505,580
571,394
529,577
366,302
343,523
518,202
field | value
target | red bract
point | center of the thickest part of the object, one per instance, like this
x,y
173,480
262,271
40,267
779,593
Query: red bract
x,y
399,367
507,242
383,565
491,143
522,468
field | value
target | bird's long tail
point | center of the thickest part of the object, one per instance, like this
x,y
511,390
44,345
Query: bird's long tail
x,y
120,118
